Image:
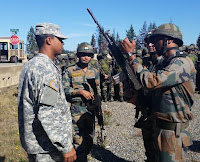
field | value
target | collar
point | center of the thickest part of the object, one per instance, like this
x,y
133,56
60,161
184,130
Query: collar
x,y
47,58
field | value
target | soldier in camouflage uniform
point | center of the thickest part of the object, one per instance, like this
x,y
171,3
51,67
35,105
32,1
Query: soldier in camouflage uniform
x,y
45,123
79,93
107,87
146,58
68,60
71,60
146,120
173,86
192,55
94,63
139,55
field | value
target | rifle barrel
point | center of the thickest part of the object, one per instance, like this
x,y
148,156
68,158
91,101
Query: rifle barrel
x,y
96,22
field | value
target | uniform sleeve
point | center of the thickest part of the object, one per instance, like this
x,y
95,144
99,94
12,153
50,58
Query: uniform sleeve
x,y
53,111
97,81
67,85
178,71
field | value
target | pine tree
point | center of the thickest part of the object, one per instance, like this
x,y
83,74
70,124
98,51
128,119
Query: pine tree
x,y
113,35
142,34
31,44
102,43
137,41
118,40
152,26
93,43
198,41
130,33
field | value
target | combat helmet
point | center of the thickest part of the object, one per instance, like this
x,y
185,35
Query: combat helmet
x,y
60,57
104,52
139,53
168,30
65,56
85,48
71,56
146,39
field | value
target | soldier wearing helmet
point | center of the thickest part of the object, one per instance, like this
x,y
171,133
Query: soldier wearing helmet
x,y
151,61
173,90
139,55
71,59
107,87
79,92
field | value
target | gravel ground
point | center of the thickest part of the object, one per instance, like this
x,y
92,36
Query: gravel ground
x,y
124,142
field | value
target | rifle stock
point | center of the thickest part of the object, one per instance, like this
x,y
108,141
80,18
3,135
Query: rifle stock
x,y
120,58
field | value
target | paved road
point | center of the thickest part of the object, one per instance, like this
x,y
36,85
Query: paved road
x,y
9,64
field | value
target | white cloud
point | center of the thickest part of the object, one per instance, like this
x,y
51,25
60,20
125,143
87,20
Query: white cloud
x,y
90,25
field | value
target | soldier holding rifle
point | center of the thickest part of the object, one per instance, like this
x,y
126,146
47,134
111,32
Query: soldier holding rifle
x,y
82,86
173,86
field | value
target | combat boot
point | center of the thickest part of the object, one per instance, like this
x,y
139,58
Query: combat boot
x,y
121,99
111,99
105,99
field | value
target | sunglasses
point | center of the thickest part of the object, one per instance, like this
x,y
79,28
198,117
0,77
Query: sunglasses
x,y
85,54
60,39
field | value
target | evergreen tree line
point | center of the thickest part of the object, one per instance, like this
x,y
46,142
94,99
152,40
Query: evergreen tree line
x,y
98,41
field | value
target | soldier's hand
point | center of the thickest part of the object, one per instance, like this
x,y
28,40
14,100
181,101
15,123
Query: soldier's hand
x,y
86,94
106,76
70,156
128,46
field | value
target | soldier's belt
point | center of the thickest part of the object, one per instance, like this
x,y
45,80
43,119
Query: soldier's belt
x,y
170,126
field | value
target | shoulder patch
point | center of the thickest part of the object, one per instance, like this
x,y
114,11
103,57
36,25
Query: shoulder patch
x,y
76,75
54,85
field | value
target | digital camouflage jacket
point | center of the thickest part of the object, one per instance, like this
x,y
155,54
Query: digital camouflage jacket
x,y
45,123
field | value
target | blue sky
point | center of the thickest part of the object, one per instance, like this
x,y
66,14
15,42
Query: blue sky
x,y
76,23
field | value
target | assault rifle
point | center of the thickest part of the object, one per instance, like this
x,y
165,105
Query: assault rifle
x,y
120,58
95,105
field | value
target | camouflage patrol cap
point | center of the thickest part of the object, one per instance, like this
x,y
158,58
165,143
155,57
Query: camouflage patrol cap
x,y
49,28
85,48
169,30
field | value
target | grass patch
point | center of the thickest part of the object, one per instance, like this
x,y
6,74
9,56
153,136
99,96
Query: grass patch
x,y
107,117
11,150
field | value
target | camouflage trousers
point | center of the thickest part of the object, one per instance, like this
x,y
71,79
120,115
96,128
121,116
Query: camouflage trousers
x,y
107,90
119,91
170,147
44,157
147,134
83,131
